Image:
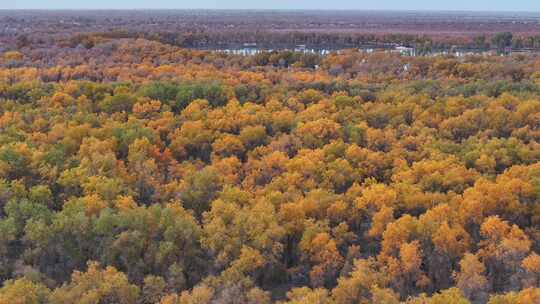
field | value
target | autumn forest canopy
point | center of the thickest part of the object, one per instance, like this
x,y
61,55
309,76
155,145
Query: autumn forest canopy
x,y
134,171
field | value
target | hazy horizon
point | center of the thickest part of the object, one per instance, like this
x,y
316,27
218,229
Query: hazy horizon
x,y
337,5
271,9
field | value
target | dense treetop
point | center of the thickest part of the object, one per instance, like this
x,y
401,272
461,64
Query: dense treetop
x,y
136,172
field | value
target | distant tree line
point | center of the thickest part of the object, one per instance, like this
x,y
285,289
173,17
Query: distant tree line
x,y
267,40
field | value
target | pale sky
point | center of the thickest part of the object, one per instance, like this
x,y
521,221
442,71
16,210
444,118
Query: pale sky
x,y
477,5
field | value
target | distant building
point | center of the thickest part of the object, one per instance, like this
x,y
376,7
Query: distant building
x,y
406,51
301,48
